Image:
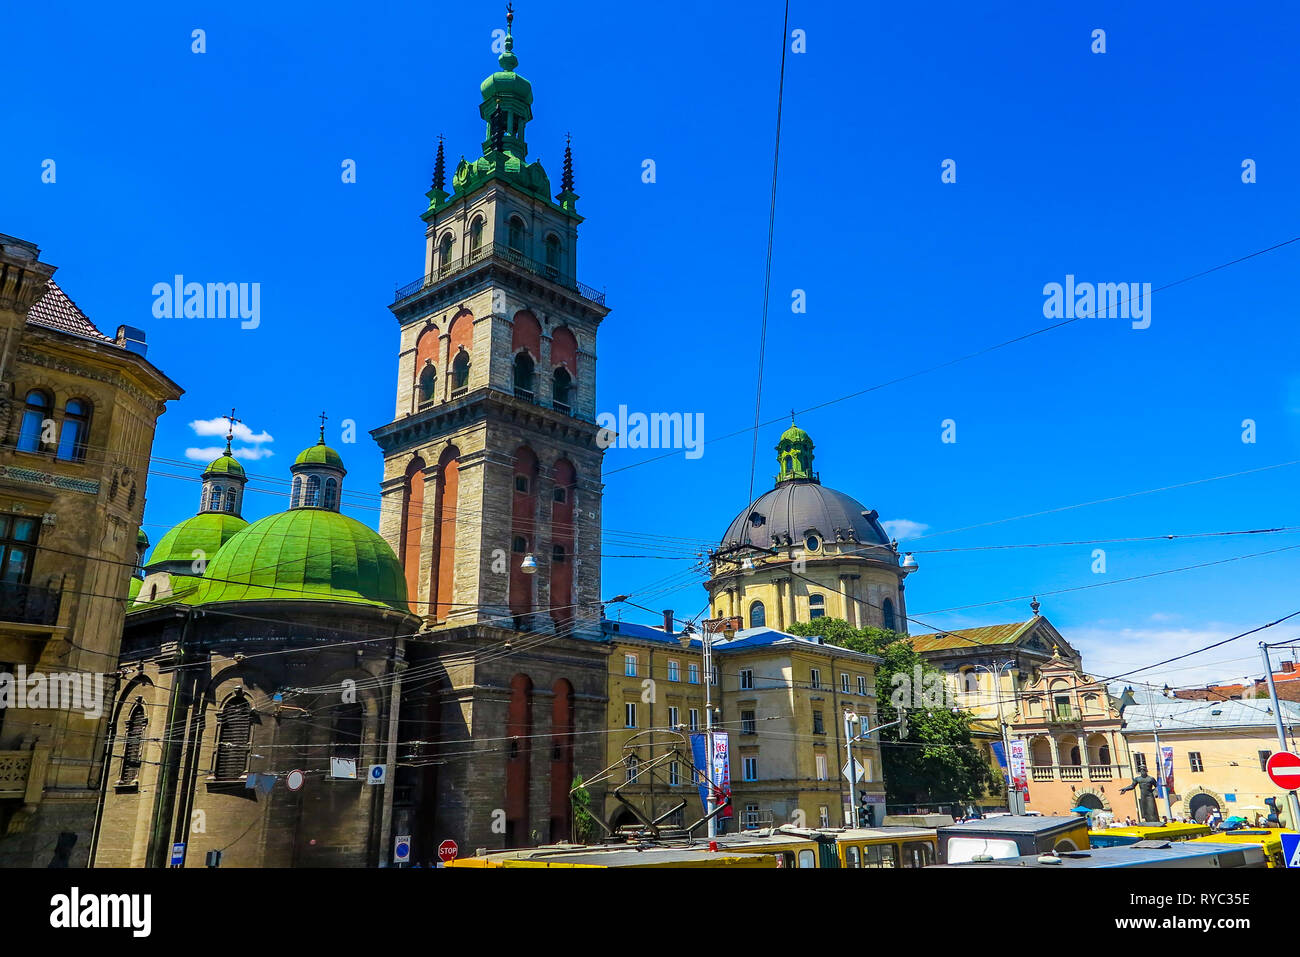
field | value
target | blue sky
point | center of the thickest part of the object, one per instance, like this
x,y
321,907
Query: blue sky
x,y
1117,167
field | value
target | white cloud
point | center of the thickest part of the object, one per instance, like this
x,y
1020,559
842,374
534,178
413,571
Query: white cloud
x,y
216,451
1113,650
220,426
903,528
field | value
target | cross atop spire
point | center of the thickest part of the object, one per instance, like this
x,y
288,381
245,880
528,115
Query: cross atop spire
x,y
323,417
230,432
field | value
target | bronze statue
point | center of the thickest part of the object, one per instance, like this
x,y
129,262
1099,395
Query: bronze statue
x,y
1146,799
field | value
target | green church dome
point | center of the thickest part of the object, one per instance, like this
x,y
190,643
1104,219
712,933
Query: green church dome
x,y
306,555
205,532
226,465
320,454
141,539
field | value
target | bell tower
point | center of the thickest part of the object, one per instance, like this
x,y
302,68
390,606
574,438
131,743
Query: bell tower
x,y
492,477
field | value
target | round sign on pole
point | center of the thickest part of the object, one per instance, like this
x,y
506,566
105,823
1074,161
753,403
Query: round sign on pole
x,y
447,851
1284,770
293,780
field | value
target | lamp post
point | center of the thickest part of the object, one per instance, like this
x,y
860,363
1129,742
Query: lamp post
x,y
1160,770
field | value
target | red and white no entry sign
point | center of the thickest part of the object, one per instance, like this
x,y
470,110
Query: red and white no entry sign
x,y
1284,769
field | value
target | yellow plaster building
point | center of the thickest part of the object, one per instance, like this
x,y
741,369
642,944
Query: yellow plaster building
x,y
78,411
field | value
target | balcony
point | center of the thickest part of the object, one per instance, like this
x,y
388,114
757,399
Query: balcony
x,y
501,253
30,604
1063,716
1043,772
1071,772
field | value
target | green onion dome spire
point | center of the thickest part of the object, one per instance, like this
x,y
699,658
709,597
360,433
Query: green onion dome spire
x,y
317,476
307,554
507,102
195,540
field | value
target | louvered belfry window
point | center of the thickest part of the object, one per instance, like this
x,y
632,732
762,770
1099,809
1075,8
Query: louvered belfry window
x,y
234,731
131,755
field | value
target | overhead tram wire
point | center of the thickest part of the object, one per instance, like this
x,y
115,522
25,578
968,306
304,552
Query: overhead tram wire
x,y
767,268
962,358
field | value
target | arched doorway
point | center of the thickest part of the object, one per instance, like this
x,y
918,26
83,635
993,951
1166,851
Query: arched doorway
x,y
622,818
1089,801
1201,806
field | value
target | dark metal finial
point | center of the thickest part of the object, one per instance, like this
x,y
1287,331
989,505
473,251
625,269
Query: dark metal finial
x,y
230,432
323,417
439,167
566,181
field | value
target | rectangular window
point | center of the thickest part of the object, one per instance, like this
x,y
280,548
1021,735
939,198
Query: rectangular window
x,y
862,684
1195,758
815,678
821,769
629,665
18,534
746,679
693,673
747,723
867,769
1263,759
819,726
673,715
713,675
630,715
674,671
1139,762
751,816
695,720
844,682
751,769
674,773
823,816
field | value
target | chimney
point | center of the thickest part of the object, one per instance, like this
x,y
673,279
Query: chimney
x,y
1288,667
668,621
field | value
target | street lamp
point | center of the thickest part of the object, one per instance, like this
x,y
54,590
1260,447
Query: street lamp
x,y
1014,804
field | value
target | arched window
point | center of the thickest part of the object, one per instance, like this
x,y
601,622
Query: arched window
x,y
35,415
816,606
296,498
552,256
515,234
331,494
887,614
134,747
557,553
460,371
76,428
476,235
444,254
757,615
562,387
214,503
345,736
234,739
428,383
311,498
230,499
519,545
524,375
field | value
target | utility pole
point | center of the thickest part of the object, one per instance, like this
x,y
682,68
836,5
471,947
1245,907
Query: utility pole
x,y
706,639
849,720
1294,802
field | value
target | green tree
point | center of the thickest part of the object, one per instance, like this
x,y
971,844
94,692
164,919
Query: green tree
x,y
935,762
584,823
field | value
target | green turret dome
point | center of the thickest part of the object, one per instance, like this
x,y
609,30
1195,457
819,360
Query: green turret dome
x,y
320,454
506,82
205,532
306,555
225,465
141,539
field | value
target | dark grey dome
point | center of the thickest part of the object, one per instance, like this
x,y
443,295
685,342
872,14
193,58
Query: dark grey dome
x,y
795,508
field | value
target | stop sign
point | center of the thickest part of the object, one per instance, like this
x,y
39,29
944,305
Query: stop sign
x,y
447,851
1284,769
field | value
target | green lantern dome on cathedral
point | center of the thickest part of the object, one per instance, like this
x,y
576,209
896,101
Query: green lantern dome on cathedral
x,y
306,555
320,454
506,82
225,465
794,455
205,533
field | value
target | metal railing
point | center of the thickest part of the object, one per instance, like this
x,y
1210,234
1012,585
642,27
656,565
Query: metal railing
x,y
505,254
30,604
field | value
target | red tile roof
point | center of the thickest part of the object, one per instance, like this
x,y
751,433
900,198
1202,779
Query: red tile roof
x,y
55,310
